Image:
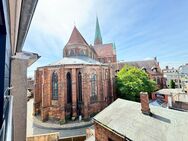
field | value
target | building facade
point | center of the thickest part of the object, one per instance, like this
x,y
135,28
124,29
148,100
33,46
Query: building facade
x,y
151,67
15,19
80,84
179,76
83,82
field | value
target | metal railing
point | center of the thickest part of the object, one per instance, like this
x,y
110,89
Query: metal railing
x,y
7,127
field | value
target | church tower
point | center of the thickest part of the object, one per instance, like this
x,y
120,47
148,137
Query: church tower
x,y
98,37
77,46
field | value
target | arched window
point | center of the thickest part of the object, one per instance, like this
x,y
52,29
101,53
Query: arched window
x,y
69,88
158,80
154,69
106,74
82,52
79,93
54,86
93,85
71,52
79,86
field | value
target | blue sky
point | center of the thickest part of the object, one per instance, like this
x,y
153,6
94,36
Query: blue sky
x,y
141,29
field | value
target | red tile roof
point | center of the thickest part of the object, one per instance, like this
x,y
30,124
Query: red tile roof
x,y
76,38
147,64
104,50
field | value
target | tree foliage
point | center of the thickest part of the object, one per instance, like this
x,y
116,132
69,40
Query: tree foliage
x,y
131,81
172,84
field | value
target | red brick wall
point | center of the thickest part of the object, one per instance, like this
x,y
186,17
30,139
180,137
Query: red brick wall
x,y
102,134
107,59
180,105
57,109
37,92
154,97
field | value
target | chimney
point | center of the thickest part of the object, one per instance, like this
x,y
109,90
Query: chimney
x,y
145,103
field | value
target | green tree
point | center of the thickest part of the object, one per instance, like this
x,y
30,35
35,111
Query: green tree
x,y
131,81
172,84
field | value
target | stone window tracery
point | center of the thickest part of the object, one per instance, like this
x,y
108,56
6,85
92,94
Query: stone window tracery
x,y
69,88
93,87
54,86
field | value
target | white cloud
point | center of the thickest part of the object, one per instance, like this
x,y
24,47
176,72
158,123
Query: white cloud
x,y
57,17
53,22
140,29
149,58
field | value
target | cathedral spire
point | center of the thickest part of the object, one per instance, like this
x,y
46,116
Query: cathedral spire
x,y
98,37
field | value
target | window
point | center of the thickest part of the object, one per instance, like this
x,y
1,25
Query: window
x,y
79,93
93,87
79,87
82,52
106,74
54,86
72,52
158,80
69,88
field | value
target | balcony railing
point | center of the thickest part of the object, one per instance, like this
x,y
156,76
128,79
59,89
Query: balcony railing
x,y
7,127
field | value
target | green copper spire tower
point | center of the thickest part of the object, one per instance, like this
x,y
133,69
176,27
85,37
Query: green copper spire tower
x,y
98,37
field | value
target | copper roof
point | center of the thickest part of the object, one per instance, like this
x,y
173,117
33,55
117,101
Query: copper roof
x,y
76,38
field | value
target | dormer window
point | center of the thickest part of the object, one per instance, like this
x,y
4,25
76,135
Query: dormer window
x,y
154,69
117,70
144,69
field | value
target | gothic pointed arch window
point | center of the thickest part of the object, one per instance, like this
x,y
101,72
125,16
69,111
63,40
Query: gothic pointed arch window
x,y
69,88
82,52
72,52
54,86
79,87
93,87
79,104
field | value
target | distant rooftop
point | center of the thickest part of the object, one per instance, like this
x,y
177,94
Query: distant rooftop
x,y
125,117
170,91
147,64
76,60
104,50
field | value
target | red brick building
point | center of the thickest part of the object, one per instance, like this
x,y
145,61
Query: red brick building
x,y
82,83
79,84
151,67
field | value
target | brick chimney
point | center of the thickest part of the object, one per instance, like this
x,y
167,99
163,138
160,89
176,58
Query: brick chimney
x,y
145,103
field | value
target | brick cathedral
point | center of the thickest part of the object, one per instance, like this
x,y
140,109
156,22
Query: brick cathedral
x,y
81,83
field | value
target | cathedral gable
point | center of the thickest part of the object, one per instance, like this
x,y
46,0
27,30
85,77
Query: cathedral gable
x,y
77,46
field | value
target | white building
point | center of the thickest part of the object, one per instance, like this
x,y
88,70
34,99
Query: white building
x,y
179,76
172,74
